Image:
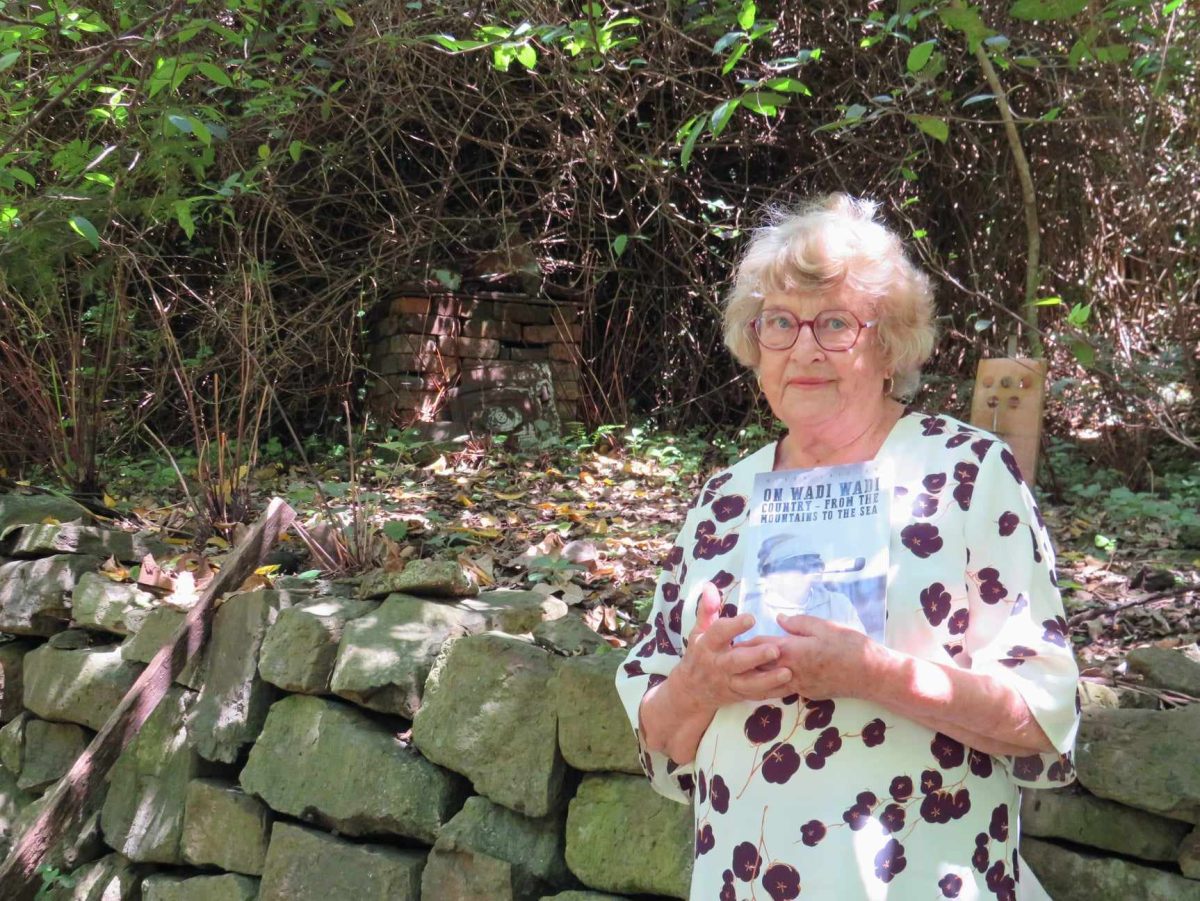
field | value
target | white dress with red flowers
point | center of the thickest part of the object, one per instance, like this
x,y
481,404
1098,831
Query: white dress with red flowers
x,y
842,799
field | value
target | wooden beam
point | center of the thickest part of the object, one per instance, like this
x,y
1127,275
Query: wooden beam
x,y
66,802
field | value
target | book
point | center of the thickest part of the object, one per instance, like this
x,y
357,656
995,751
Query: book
x,y
817,543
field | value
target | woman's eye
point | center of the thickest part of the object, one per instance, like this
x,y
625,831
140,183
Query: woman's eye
x,y
780,323
836,323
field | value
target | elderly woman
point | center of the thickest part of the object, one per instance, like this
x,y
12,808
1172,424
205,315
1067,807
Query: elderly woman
x,y
824,763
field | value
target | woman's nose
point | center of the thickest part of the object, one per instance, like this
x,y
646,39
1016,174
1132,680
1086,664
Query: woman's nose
x,y
806,340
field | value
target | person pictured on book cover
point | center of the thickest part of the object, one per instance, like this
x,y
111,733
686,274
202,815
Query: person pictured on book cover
x,y
792,583
822,762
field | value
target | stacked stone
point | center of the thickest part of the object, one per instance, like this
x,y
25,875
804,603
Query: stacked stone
x,y
416,738
1128,827
423,346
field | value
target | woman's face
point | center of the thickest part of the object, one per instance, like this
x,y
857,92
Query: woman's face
x,y
810,388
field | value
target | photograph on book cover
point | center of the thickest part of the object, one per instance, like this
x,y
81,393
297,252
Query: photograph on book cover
x,y
816,542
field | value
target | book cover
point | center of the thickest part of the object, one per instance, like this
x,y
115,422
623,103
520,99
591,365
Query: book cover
x,y
817,544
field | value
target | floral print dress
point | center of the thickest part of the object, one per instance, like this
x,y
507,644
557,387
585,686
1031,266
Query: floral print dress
x,y
841,798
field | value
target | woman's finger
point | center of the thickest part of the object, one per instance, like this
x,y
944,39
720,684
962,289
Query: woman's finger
x,y
799,624
707,609
726,629
756,684
741,658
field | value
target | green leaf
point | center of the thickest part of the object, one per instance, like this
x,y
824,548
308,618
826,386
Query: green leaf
x,y
978,98
766,103
721,116
309,575
1047,10
1084,353
919,55
790,85
855,111
448,279
396,529
982,324
932,126
83,227
1080,51
8,59
733,58
1048,302
966,20
453,44
215,74
183,215
689,145
183,123
527,56
295,149
728,38
502,57
1080,314
22,176
747,15
201,131
342,16
264,152
618,245
1112,53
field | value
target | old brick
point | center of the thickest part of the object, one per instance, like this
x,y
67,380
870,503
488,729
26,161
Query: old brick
x,y
424,344
525,313
564,352
437,364
492,328
429,325
390,364
531,354
484,348
567,314
421,306
568,410
567,390
545,334
474,308
567,372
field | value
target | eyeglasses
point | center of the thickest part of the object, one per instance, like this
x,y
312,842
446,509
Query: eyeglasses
x,y
833,330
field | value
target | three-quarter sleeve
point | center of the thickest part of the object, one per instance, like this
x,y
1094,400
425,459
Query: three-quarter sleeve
x,y
658,651
1018,632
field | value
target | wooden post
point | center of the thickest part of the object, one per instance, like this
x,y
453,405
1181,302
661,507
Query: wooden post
x,y
1010,394
65,803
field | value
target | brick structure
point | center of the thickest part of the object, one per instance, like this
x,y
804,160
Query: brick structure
x,y
491,362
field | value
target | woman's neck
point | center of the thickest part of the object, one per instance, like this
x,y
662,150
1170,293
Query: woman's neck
x,y
853,442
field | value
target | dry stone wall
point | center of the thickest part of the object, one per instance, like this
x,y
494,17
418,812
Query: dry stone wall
x,y
411,737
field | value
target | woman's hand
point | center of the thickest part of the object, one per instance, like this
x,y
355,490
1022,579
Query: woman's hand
x,y
826,660
832,661
675,714
715,672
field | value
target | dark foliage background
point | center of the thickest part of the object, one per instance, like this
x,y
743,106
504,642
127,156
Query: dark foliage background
x,y
201,203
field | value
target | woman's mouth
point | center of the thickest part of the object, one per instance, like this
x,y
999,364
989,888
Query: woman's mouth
x,y
807,382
